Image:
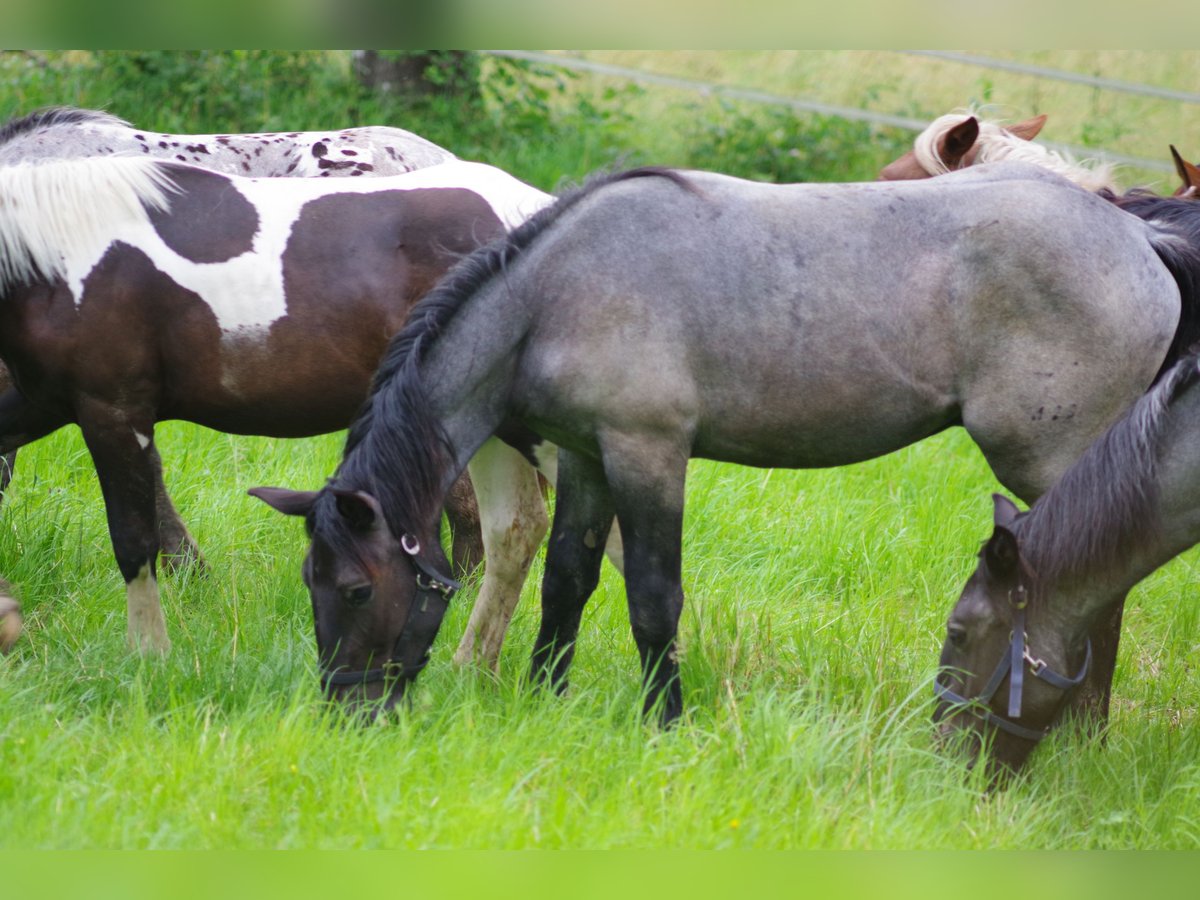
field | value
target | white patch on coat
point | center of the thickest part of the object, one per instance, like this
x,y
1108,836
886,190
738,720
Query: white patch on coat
x,y
60,218
142,440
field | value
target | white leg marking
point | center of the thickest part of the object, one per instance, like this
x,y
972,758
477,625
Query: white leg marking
x,y
147,628
513,519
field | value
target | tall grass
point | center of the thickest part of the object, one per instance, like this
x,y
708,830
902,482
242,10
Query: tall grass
x,y
816,602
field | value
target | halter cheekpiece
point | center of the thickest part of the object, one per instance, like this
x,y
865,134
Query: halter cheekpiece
x,y
1013,663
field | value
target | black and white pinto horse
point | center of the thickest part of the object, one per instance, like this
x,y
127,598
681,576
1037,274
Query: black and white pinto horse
x,y
656,316
70,133
133,291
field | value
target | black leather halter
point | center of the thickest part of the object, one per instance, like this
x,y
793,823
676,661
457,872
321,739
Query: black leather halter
x,y
1013,663
429,581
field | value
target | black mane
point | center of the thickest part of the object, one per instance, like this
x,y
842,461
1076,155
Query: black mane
x,y
53,116
1177,223
395,449
1107,503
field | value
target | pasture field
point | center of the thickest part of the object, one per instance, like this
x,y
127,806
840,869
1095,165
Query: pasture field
x,y
816,603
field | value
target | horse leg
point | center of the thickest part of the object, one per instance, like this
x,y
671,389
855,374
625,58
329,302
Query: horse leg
x,y
647,483
10,617
513,519
548,467
21,423
462,511
119,444
583,515
179,548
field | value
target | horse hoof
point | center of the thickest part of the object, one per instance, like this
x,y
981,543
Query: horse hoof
x,y
10,623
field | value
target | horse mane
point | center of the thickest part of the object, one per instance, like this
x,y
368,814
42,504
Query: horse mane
x,y
395,448
997,145
53,117
47,209
1176,240
1107,503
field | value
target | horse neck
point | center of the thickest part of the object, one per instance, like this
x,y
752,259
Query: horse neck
x,y
434,407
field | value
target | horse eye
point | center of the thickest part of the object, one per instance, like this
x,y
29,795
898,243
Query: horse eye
x,y
357,595
956,635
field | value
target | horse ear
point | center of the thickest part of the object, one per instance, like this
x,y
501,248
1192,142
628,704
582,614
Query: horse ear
x,y
290,503
358,508
958,141
1002,555
1029,128
1188,174
1004,511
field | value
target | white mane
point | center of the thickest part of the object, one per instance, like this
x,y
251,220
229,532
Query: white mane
x,y
55,209
996,144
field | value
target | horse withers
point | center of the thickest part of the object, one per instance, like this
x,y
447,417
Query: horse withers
x,y
133,290
655,316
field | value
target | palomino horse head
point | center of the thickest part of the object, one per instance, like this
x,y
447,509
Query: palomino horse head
x,y
998,678
950,142
1188,174
377,600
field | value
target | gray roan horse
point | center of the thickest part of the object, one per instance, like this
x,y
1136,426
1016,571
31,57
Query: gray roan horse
x,y
134,290
1017,642
656,316
69,133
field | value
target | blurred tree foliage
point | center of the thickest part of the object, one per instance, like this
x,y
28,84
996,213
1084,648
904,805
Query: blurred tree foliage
x,y
540,122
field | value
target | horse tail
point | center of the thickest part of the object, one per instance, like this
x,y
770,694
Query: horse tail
x,y
1175,237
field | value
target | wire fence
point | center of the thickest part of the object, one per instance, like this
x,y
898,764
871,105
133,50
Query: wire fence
x,y
708,88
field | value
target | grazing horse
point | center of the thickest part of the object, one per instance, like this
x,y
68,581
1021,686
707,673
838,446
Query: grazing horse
x,y
1017,639
134,290
66,133
958,140
656,316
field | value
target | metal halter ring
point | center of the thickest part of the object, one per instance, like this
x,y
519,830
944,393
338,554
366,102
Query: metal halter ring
x,y
411,549
427,583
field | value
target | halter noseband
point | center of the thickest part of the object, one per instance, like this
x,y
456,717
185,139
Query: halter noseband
x,y
429,580
1014,662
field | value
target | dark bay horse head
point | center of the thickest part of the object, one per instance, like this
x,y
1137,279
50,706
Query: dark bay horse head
x,y
995,682
378,600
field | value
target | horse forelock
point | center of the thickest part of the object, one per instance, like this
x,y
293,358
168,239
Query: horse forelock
x,y
1107,503
395,448
56,117
52,210
997,144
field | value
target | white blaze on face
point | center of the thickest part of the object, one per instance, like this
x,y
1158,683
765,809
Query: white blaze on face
x,y
246,293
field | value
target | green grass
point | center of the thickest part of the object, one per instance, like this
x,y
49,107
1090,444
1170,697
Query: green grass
x,y
815,606
816,600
